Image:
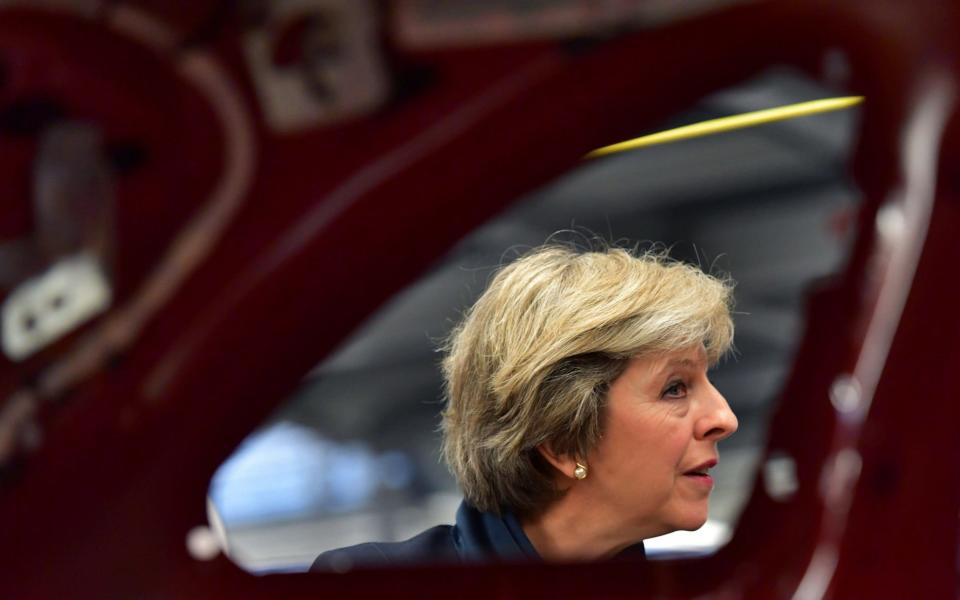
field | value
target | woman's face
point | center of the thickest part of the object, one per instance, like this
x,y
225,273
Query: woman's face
x,y
662,424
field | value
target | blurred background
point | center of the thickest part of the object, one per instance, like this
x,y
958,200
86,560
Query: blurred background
x,y
234,234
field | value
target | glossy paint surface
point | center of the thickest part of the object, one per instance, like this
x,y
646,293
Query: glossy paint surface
x,y
135,417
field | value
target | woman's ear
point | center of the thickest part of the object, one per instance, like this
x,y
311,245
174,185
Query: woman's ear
x,y
564,463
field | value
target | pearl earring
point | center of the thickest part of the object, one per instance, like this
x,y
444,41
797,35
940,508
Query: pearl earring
x,y
580,472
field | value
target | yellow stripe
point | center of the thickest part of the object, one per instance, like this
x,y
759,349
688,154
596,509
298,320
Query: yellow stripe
x,y
759,117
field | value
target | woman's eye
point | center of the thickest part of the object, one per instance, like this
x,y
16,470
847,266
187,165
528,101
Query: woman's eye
x,y
677,389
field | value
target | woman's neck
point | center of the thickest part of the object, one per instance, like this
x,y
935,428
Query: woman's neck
x,y
567,530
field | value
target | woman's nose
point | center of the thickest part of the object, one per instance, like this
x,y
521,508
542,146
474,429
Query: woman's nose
x,y
718,421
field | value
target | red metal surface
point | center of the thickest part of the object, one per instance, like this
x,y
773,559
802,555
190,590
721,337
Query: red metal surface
x,y
340,217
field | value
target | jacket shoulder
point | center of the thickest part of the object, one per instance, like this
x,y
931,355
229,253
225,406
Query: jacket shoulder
x,y
435,545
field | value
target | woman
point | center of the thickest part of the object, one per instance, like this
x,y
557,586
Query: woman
x,y
579,417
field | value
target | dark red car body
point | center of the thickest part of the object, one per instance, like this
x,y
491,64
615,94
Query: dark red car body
x,y
136,410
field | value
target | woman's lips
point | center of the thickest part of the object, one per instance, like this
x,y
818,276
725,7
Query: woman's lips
x,y
701,479
700,475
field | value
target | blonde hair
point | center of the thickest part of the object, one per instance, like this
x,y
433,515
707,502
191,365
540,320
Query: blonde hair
x,y
531,361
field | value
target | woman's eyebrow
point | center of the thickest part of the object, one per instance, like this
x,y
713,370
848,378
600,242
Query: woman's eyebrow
x,y
685,363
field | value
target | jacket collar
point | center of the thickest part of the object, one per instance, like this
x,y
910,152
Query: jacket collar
x,y
485,536
482,536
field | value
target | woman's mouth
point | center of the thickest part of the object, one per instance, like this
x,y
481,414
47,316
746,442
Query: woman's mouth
x,y
701,478
700,473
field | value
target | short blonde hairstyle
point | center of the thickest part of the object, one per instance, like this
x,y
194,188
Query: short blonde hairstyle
x,y
532,360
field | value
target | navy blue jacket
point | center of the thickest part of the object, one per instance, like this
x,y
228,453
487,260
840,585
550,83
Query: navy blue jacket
x,y
476,537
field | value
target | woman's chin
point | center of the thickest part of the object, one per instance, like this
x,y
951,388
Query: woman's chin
x,y
691,521
693,526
